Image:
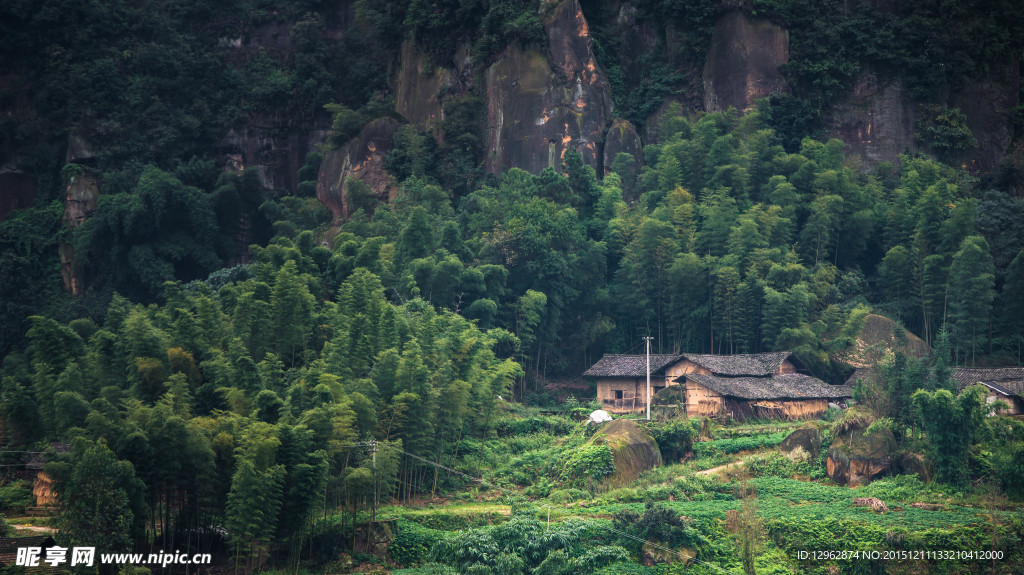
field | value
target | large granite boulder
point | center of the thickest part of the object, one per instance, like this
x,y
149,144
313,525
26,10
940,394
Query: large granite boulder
x,y
857,456
913,464
808,438
633,450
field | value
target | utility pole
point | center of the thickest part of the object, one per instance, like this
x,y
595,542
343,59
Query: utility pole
x,y
648,340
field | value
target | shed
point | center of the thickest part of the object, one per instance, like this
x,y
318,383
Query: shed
x,y
1004,383
783,396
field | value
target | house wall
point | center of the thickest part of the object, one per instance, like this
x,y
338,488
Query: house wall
x,y
701,401
791,409
786,367
630,387
1015,403
634,393
684,367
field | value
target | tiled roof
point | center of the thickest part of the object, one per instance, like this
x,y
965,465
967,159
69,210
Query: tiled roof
x,y
1009,378
741,364
9,551
755,364
614,365
784,386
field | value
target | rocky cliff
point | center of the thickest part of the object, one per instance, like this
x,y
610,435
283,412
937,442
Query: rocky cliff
x,y
361,159
744,62
535,98
539,105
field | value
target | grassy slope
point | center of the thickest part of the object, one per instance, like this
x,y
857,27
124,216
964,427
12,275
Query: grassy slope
x,y
799,513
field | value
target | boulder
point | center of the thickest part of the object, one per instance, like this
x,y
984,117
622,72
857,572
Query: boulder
x,y
654,553
914,464
876,505
807,438
633,450
858,457
874,341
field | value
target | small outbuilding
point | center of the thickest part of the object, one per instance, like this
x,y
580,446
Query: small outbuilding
x,y
1004,384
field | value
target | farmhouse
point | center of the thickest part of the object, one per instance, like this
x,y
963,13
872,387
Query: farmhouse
x,y
1004,383
764,384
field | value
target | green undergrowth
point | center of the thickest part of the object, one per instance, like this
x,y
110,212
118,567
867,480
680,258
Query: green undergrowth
x,y
737,444
799,509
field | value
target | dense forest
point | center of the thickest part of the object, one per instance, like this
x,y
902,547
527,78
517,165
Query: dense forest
x,y
237,369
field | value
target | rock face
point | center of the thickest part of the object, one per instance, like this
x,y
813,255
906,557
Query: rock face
x,y
857,457
876,121
362,159
80,198
277,152
633,450
807,438
744,62
536,110
418,85
989,106
623,139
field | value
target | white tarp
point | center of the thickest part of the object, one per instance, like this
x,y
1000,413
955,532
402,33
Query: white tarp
x,y
599,416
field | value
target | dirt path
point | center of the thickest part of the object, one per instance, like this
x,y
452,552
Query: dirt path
x,y
715,470
34,528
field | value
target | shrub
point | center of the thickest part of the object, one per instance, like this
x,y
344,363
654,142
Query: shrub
x,y
589,460
675,439
560,496
901,488
738,444
16,496
511,426
771,465
412,542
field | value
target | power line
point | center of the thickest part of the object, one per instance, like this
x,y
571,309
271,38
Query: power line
x,y
591,520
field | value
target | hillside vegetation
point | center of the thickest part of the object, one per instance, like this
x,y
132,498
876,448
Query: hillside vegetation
x,y
237,371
